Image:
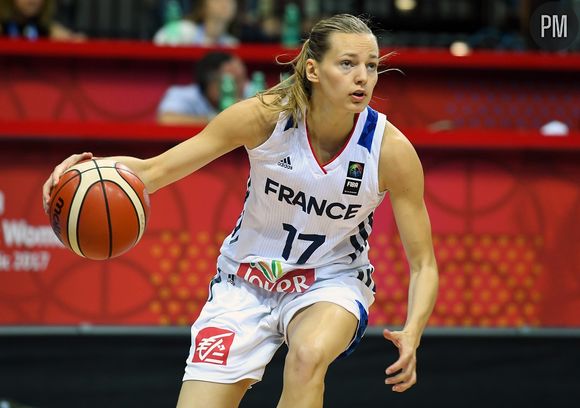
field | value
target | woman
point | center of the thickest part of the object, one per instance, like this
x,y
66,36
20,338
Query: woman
x,y
32,19
295,267
207,26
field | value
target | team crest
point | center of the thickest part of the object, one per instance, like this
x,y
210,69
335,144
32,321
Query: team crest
x,y
355,170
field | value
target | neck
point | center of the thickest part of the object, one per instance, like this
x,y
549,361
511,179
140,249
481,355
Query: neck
x,y
328,133
327,128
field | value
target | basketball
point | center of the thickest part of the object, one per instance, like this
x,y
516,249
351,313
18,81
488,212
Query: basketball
x,y
99,209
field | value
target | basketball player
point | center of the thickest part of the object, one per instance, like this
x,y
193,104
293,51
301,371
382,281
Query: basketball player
x,y
295,268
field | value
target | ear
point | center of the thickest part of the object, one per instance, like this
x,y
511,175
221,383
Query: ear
x,y
312,70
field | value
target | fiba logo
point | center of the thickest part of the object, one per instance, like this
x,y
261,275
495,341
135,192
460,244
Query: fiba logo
x,y
554,26
2,202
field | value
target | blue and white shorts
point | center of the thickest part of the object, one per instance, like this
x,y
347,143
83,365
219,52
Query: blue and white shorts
x,y
242,325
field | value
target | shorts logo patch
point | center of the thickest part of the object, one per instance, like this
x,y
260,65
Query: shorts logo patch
x,y
212,345
294,281
271,271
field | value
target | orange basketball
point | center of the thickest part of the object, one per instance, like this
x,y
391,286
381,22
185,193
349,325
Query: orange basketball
x,y
99,209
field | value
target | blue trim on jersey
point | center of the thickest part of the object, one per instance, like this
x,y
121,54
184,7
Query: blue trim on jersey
x,y
358,248
233,237
216,279
368,132
362,327
289,124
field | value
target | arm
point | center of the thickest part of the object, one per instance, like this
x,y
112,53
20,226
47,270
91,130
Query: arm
x,y
62,33
402,175
245,123
174,118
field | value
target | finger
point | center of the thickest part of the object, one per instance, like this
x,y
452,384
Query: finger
x,y
403,376
85,156
57,173
46,188
67,163
392,336
403,362
404,386
396,366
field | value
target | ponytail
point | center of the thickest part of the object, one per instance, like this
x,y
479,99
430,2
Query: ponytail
x,y
293,93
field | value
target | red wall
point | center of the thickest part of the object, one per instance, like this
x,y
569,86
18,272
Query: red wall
x,y
504,221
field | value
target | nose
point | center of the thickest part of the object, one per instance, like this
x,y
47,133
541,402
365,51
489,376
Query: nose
x,y
361,75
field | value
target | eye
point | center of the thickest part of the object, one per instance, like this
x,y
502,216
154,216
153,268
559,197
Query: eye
x,y
346,64
372,66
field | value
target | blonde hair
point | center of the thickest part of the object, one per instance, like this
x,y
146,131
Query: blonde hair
x,y
292,95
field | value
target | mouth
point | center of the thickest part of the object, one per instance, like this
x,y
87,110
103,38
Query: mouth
x,y
358,95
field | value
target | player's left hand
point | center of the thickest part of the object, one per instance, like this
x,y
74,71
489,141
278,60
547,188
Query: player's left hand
x,y
405,366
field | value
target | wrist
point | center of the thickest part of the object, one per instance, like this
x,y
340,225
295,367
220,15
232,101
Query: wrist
x,y
414,333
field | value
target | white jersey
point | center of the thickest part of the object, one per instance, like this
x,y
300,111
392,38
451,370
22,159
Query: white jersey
x,y
304,221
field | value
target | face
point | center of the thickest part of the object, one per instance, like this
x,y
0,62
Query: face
x,y
234,67
29,8
221,9
347,74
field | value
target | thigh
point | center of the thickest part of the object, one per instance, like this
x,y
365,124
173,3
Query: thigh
x,y
324,324
204,394
334,311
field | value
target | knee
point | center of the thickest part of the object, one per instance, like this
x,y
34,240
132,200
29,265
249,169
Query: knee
x,y
307,361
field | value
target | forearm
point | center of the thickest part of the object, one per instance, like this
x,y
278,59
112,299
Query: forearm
x,y
423,288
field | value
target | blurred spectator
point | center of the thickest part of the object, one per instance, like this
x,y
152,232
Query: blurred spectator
x,y
32,19
259,21
207,25
198,102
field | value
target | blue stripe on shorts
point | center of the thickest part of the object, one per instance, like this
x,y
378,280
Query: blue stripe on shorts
x,y
362,326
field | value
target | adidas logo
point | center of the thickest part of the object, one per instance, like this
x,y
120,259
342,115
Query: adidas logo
x,y
285,163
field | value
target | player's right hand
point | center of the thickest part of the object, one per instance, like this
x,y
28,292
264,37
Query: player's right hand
x,y
57,172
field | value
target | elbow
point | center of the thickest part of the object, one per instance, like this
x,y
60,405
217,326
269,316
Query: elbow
x,y
427,266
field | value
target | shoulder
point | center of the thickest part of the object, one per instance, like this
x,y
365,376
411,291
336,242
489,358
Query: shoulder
x,y
228,40
190,89
399,162
250,120
178,32
189,94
